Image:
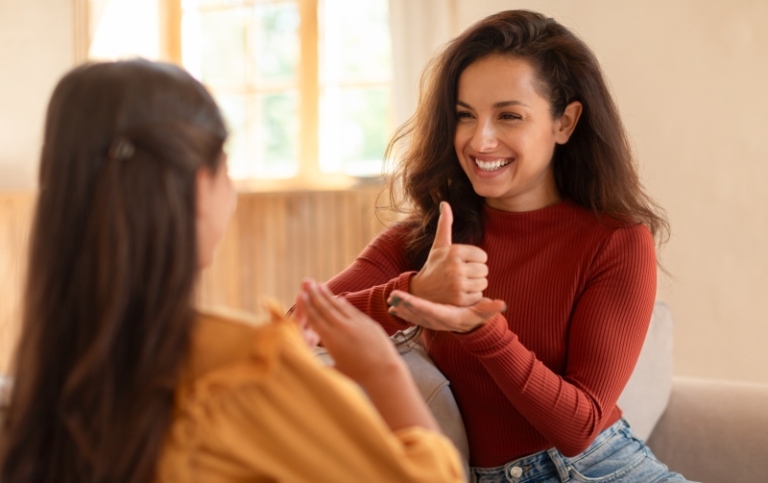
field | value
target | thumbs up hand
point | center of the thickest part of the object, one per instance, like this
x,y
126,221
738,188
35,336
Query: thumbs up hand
x,y
453,274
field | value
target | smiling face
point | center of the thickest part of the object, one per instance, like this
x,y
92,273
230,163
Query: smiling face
x,y
505,134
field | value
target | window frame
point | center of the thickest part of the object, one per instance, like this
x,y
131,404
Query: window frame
x,y
309,175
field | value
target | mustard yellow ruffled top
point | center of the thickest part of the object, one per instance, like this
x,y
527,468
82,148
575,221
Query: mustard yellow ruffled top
x,y
256,406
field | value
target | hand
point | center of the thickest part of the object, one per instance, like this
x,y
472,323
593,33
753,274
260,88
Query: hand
x,y
437,316
453,274
359,346
307,333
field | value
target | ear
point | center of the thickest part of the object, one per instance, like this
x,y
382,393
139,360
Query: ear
x,y
203,188
565,125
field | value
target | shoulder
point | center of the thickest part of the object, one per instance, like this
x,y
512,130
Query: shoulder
x,y
388,248
394,234
607,229
223,338
628,237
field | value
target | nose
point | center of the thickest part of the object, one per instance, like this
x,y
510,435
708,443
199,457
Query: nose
x,y
484,138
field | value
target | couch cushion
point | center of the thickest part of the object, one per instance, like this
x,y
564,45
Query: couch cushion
x,y
714,431
647,393
435,389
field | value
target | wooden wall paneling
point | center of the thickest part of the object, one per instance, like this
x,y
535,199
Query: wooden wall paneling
x,y
301,231
327,226
16,212
293,259
347,239
342,250
261,247
249,258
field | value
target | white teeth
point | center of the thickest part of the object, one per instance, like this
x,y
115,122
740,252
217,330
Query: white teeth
x,y
492,165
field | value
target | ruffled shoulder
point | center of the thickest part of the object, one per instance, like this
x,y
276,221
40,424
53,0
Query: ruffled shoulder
x,y
235,358
225,337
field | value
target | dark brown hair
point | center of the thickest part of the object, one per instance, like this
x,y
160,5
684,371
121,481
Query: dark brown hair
x,y
595,169
112,268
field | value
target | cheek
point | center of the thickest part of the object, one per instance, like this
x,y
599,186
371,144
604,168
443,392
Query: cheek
x,y
228,203
232,202
460,139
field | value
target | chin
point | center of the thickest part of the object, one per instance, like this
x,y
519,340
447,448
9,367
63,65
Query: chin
x,y
487,191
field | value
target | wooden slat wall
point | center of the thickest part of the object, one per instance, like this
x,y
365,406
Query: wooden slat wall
x,y
15,220
274,240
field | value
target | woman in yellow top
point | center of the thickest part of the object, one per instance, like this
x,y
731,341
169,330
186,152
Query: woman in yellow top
x,y
119,379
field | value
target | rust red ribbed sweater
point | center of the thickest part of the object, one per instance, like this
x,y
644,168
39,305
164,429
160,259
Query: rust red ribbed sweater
x,y
579,296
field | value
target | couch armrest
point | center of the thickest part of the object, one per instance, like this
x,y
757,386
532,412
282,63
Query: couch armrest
x,y
714,431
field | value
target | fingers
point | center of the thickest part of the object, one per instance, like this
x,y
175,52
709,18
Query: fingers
x,y
474,287
487,308
444,224
299,311
442,317
320,312
324,310
469,253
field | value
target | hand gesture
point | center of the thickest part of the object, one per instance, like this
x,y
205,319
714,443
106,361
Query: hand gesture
x,y
359,346
307,333
453,274
437,316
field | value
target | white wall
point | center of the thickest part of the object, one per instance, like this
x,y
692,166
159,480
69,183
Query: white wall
x,y
690,79
36,48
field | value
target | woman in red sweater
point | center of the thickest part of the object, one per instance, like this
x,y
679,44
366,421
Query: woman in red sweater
x,y
523,199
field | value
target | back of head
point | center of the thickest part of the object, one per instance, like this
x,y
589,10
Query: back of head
x,y
113,260
595,168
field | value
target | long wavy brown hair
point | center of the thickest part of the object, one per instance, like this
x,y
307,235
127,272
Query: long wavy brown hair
x,y
112,268
595,169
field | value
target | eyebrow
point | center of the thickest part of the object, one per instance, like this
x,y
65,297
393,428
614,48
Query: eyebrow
x,y
496,105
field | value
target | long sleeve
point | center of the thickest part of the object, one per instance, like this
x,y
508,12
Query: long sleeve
x,y
381,268
278,415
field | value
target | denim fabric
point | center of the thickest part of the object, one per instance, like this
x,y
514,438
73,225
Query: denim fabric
x,y
616,455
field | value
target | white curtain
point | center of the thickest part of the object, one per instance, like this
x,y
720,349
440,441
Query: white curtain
x,y
419,29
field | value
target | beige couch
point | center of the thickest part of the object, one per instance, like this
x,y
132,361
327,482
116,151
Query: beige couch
x,y
710,431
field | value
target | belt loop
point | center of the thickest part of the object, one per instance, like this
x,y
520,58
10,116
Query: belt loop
x,y
562,470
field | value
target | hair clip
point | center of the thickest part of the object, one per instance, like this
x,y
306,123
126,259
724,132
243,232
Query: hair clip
x,y
121,149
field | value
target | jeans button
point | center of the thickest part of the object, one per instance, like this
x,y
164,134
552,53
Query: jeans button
x,y
515,472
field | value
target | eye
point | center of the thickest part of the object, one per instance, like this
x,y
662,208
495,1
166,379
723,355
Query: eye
x,y
461,115
508,116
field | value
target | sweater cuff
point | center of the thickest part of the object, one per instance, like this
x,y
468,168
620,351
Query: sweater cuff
x,y
490,336
404,281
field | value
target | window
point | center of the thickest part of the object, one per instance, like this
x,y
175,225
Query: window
x,y
305,85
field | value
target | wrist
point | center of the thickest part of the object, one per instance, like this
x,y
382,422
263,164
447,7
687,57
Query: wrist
x,y
384,374
414,282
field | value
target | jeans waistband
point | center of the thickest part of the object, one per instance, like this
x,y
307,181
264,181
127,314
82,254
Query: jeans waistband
x,y
551,461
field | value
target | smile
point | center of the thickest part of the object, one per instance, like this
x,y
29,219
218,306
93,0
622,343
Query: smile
x,y
492,165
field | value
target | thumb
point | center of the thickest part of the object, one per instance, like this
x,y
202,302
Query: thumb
x,y
444,223
298,311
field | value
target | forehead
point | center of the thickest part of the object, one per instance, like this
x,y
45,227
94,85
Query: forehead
x,y
499,78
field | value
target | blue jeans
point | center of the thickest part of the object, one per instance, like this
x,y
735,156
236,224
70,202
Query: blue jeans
x,y
616,455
